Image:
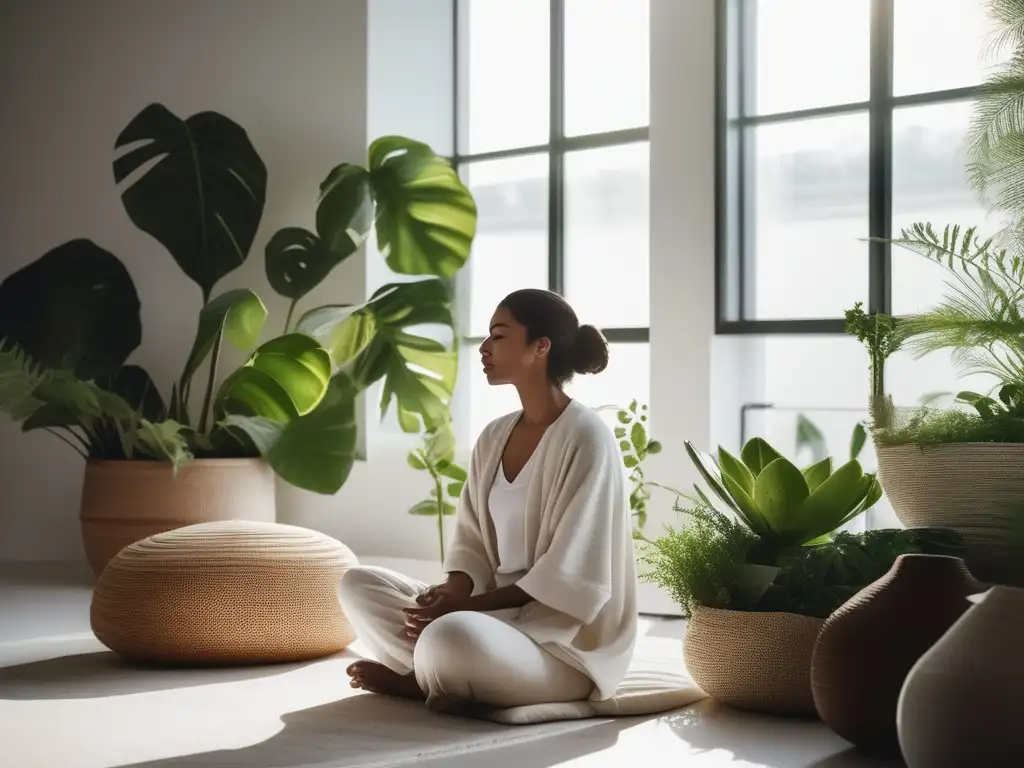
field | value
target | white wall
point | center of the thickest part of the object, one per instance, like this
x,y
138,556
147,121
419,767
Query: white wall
x,y
73,74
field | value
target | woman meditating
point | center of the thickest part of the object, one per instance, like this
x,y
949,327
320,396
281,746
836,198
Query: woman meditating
x,y
539,604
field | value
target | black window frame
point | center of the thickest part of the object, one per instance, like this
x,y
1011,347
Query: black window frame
x,y
734,250
556,148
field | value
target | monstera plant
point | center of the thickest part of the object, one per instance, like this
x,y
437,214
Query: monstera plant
x,y
781,504
70,320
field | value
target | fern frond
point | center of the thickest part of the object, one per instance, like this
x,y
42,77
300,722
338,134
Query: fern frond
x,y
1008,19
962,251
19,380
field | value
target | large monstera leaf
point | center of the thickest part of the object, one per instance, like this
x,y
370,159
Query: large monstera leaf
x,y
316,451
196,185
73,309
418,372
297,260
425,216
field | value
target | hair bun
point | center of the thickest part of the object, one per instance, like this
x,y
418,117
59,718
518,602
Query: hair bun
x,y
591,351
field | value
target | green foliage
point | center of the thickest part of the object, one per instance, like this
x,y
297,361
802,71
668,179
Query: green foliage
x,y
712,561
779,503
881,334
636,446
696,563
70,320
436,457
934,426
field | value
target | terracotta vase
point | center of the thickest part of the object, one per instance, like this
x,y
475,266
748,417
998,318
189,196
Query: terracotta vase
x,y
126,501
963,701
867,647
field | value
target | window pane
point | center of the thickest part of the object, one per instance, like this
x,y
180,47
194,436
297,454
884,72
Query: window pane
x,y
810,53
940,44
809,259
607,204
607,65
511,246
627,377
505,74
930,185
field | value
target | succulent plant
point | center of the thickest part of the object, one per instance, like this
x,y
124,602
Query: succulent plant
x,y
780,503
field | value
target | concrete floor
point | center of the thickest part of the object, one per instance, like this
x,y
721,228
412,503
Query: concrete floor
x,y
43,602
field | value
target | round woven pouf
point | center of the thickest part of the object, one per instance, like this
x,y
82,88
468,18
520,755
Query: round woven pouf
x,y
230,592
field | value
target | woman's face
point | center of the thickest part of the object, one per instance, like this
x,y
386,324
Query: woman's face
x,y
506,356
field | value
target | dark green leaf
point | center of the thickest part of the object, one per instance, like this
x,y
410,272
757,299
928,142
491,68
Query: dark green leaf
x,y
239,314
630,461
135,386
344,213
75,308
818,473
263,432
49,416
317,451
654,447
448,509
426,218
419,376
625,446
199,190
779,491
251,392
736,470
297,261
857,440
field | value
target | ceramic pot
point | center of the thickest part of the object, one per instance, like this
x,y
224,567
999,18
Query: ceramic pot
x,y
753,660
962,702
867,647
971,488
127,501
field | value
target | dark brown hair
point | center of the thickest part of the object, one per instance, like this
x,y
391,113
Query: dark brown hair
x,y
575,348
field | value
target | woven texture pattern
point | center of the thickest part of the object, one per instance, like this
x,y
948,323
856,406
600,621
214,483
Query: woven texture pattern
x,y
974,489
233,592
752,660
126,501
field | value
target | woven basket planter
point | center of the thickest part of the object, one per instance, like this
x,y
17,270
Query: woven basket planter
x,y
975,489
126,501
753,660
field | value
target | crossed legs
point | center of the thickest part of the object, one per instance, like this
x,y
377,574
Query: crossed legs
x,y
462,658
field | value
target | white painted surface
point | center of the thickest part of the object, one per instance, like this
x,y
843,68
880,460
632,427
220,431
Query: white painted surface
x,y
73,75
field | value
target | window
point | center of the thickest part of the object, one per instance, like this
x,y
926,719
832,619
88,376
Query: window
x,y
827,139
552,117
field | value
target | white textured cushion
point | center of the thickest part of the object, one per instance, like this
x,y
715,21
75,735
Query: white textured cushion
x,y
657,681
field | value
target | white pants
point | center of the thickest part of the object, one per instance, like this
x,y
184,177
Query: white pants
x,y
459,659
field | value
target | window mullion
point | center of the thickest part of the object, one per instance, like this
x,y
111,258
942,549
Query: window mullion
x,y
880,156
556,174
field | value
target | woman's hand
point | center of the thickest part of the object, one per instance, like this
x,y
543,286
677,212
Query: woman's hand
x,y
436,601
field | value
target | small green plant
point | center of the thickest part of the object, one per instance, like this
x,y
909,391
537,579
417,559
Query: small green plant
x,y
436,457
781,504
636,446
709,561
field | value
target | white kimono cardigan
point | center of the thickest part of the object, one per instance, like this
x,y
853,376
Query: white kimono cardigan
x,y
582,565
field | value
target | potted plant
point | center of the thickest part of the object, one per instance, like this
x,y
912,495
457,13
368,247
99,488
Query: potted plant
x,y
70,320
758,579
963,467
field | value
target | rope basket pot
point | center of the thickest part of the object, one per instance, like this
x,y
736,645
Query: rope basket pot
x,y
758,661
126,501
975,489
231,592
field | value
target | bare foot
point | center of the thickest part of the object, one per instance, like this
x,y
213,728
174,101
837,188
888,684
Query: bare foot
x,y
374,677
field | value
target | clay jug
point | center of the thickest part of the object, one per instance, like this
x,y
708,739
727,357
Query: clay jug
x,y
961,704
867,647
